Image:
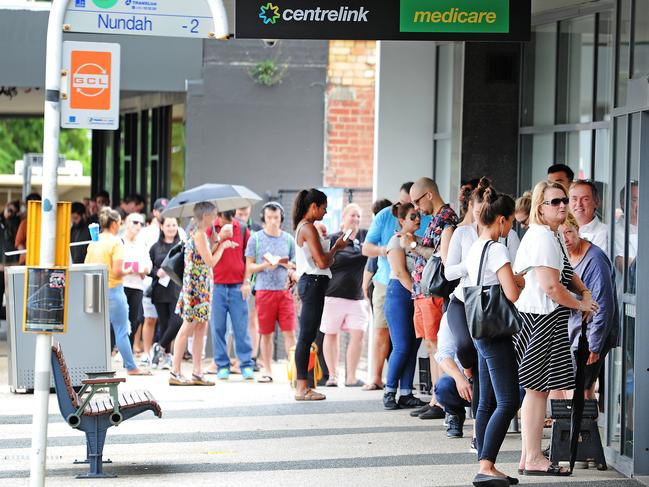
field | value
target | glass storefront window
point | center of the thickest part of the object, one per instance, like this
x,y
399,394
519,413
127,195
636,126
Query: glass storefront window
x,y
576,66
443,165
602,174
641,39
539,76
623,50
536,156
605,45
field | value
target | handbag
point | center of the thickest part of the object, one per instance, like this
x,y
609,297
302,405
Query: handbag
x,y
174,263
489,313
434,282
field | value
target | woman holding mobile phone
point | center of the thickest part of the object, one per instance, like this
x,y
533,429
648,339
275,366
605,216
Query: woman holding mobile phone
x,y
313,259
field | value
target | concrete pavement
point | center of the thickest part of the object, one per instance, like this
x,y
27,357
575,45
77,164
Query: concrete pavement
x,y
242,433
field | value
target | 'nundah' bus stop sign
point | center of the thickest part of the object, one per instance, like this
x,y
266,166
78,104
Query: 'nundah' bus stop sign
x,y
462,20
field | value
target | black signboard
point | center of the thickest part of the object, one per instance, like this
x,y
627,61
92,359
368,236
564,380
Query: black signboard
x,y
45,300
459,20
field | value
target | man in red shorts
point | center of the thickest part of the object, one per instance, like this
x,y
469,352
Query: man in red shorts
x,y
270,256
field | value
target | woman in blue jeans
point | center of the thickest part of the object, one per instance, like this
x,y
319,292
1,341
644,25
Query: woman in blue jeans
x,y
497,366
109,250
399,312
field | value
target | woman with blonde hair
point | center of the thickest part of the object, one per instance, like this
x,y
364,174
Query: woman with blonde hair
x,y
522,210
543,346
109,250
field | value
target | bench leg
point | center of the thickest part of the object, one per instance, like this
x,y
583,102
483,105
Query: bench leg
x,y
95,447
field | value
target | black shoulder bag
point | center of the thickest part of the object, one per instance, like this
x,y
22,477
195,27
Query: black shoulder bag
x,y
174,263
433,281
489,313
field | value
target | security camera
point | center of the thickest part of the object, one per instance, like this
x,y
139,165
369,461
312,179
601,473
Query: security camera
x,y
269,42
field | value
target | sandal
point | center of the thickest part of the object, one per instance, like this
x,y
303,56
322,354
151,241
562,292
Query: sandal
x,y
265,379
310,395
135,372
199,380
178,380
372,387
553,470
331,383
358,383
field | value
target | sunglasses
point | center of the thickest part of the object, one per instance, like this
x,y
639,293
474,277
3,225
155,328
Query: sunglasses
x,y
137,222
557,201
416,201
414,217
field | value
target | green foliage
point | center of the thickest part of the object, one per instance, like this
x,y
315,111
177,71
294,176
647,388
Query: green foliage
x,y
21,135
267,73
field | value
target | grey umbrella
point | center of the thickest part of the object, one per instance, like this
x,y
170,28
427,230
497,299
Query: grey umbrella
x,y
224,196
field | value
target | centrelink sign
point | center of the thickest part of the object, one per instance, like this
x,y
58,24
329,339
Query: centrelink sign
x,y
470,20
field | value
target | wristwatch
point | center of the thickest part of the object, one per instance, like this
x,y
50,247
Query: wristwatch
x,y
413,245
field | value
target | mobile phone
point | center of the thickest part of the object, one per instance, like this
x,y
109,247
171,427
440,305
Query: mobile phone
x,y
525,271
348,234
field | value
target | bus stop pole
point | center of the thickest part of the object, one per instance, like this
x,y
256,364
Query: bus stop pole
x,y
42,368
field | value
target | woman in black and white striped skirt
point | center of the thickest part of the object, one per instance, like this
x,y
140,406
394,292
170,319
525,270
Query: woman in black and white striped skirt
x,y
543,346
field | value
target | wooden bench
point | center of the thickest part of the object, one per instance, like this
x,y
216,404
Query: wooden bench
x,y
95,414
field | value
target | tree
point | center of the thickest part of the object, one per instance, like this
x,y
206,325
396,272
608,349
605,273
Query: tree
x,y
22,135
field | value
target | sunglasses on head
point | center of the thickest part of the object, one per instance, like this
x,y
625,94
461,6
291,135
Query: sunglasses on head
x,y
414,216
557,201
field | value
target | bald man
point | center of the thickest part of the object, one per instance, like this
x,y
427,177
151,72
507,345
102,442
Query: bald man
x,y
424,194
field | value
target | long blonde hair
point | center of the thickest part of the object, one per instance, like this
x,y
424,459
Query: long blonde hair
x,y
538,197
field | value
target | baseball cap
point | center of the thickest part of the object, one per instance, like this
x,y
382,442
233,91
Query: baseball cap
x,y
160,204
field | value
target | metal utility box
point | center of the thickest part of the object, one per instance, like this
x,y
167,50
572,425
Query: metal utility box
x,y
87,342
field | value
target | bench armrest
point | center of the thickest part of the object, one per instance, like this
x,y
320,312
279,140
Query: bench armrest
x,y
94,375
116,380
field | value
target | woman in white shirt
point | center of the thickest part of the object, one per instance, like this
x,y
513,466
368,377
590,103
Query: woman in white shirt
x,y
499,392
542,346
137,259
463,238
313,259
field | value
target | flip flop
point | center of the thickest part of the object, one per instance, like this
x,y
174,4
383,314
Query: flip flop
x,y
141,372
331,383
552,471
358,383
372,387
265,379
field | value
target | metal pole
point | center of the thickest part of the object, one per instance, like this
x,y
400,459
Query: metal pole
x,y
42,368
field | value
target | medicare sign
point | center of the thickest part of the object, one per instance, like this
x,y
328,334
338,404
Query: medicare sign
x,y
482,16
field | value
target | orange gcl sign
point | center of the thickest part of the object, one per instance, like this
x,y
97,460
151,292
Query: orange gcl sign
x,y
90,80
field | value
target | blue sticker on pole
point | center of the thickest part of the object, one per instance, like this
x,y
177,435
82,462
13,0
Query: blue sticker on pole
x,y
47,205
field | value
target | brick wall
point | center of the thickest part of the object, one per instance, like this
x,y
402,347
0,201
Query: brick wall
x,y
350,114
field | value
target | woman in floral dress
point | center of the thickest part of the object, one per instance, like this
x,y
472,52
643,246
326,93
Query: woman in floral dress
x,y
195,300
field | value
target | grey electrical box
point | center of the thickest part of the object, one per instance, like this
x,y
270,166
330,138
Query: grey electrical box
x,y
86,343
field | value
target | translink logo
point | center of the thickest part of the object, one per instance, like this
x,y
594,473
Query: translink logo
x,y
270,14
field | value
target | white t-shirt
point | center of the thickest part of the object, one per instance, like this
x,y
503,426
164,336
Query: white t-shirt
x,y
463,238
136,252
540,247
497,256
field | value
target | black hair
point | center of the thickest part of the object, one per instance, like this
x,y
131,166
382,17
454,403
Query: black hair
x,y
78,208
378,205
406,186
303,202
400,210
134,198
33,197
103,194
495,205
228,214
470,182
479,192
562,168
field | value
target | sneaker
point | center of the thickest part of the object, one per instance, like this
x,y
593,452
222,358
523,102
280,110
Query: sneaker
x,y
156,355
410,401
445,423
419,411
223,373
455,426
255,365
433,413
248,373
473,448
145,360
390,401
168,362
